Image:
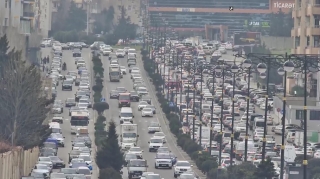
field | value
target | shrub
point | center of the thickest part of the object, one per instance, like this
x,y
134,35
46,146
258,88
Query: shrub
x,y
100,107
97,87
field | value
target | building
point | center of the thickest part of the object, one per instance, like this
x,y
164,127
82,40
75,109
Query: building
x,y
306,32
193,15
26,15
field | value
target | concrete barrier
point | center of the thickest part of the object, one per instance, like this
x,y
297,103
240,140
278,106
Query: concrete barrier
x,y
18,162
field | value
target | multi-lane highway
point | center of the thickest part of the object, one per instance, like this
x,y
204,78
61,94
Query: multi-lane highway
x,y
144,137
63,152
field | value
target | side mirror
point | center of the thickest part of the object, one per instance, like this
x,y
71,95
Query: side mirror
x,y
132,116
148,142
119,116
64,137
137,135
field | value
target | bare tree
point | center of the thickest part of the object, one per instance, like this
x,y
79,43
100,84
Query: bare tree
x,y
22,106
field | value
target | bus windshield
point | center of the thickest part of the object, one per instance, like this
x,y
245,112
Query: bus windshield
x,y
79,120
114,73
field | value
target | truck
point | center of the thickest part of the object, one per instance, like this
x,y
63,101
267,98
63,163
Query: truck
x,y
240,148
128,135
312,137
136,167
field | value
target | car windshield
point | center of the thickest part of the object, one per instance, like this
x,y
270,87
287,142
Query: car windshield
x,y
187,176
67,82
147,109
84,171
126,114
69,170
163,156
70,100
85,158
183,164
159,134
135,149
154,125
57,175
124,97
153,177
54,158
138,163
142,89
156,141
143,103
129,135
130,156
43,167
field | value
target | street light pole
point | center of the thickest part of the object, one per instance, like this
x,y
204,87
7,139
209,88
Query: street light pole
x,y
220,68
201,97
180,109
211,120
247,115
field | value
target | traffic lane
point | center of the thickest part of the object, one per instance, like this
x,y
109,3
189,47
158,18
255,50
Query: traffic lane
x,y
160,116
142,122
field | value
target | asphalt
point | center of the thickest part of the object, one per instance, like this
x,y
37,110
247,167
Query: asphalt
x,y
63,152
144,137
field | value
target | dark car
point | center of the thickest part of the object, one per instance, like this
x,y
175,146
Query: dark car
x,y
57,162
76,53
134,96
114,94
67,85
70,102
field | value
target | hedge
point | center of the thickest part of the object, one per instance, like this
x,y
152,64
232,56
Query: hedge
x,y
203,159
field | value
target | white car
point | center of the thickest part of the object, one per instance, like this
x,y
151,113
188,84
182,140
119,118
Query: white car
x,y
123,70
154,144
163,160
83,106
142,104
120,53
181,167
106,52
222,50
154,127
144,174
160,135
316,154
126,144
136,150
147,112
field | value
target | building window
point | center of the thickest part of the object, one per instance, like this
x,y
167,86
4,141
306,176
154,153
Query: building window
x,y
314,115
316,40
308,41
297,41
316,21
317,2
299,114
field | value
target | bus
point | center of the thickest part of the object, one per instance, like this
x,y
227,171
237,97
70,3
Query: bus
x,y
79,120
115,74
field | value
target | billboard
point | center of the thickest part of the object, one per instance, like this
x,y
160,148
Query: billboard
x,y
246,38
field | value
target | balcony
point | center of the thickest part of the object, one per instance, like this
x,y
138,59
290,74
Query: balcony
x,y
313,10
298,50
295,32
312,50
28,1
313,31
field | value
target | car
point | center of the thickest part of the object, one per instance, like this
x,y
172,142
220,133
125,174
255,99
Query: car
x,y
142,104
144,174
70,102
73,109
142,91
163,160
58,119
123,70
188,175
160,135
120,53
154,127
67,85
128,156
152,107
181,167
154,144
153,176
136,150
57,162
57,109
134,96
146,112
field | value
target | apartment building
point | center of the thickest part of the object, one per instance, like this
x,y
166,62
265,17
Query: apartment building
x,y
26,15
306,31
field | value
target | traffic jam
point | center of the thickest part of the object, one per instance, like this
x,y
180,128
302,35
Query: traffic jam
x,y
199,83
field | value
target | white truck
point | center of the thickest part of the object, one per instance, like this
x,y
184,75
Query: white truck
x,y
128,135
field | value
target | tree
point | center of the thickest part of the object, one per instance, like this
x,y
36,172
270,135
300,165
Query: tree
x,y
281,24
125,29
4,45
110,154
100,107
314,168
243,171
109,173
104,21
20,122
265,170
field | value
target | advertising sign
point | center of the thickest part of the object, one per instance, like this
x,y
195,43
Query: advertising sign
x,y
246,38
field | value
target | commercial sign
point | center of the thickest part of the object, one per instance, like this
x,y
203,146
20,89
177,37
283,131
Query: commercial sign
x,y
283,5
246,38
256,23
186,10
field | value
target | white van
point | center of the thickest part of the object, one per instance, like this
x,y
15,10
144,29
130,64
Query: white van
x,y
126,115
55,127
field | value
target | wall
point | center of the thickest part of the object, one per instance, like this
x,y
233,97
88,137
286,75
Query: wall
x,y
278,43
17,163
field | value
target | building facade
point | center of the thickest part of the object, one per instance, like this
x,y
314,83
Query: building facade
x,y
194,15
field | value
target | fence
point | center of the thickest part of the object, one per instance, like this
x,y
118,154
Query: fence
x,y
279,43
17,162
